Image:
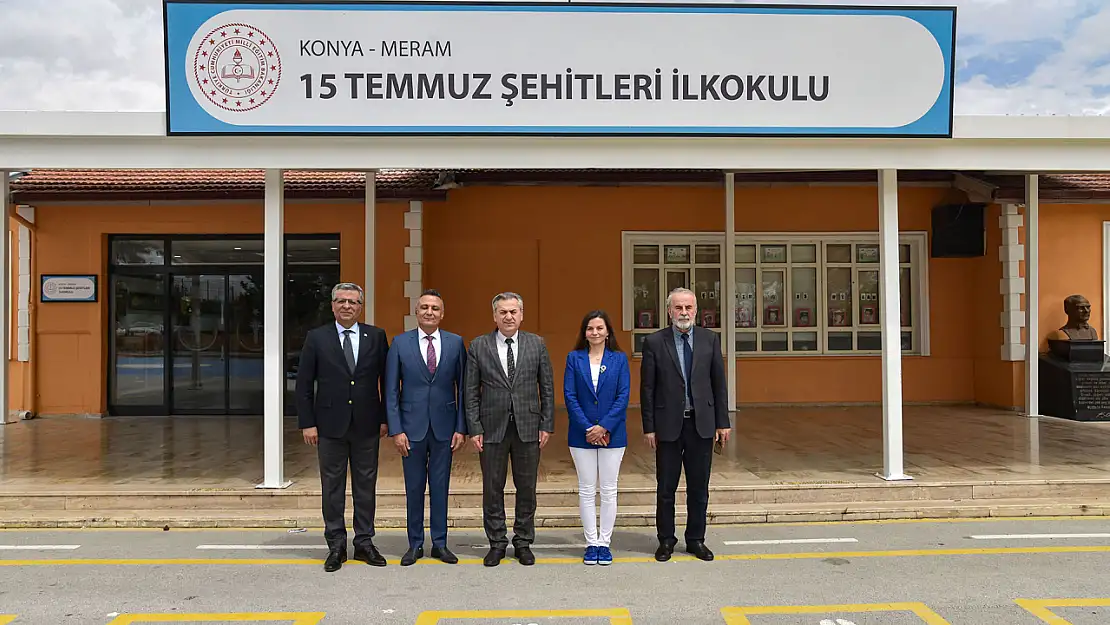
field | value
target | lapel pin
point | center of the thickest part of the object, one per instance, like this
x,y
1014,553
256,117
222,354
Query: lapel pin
x,y
602,370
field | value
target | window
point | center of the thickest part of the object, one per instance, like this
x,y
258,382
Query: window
x,y
795,294
659,268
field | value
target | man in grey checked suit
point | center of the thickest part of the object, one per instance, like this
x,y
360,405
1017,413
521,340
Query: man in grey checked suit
x,y
510,413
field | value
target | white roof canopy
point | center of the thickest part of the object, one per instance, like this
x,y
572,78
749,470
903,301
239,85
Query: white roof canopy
x,y
124,140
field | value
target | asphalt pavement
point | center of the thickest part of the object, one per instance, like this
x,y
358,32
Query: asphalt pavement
x,y
958,572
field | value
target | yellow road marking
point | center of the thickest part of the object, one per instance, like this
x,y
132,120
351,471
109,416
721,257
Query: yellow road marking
x,y
739,615
7,618
295,618
617,616
725,557
1040,607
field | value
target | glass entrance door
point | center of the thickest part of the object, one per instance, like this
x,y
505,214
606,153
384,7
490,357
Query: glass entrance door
x,y
198,348
216,355
187,333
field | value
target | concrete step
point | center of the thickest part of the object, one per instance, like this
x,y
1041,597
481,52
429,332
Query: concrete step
x,y
105,501
546,516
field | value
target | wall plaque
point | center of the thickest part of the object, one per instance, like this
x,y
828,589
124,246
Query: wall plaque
x,y
68,288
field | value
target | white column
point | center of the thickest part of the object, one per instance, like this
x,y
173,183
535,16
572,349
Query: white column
x,y
5,288
890,319
273,288
414,258
728,294
370,247
1034,455
1032,294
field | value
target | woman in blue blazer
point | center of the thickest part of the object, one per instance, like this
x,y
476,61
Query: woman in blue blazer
x,y
595,389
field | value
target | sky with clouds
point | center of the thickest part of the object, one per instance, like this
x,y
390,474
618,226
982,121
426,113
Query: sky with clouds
x,y
1020,57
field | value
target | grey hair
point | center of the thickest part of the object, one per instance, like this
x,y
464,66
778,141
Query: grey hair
x,y
347,286
680,291
507,295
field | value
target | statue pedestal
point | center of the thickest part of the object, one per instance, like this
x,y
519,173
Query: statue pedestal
x,y
1075,381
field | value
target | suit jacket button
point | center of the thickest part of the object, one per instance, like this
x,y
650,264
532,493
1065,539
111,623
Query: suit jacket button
x,y
349,401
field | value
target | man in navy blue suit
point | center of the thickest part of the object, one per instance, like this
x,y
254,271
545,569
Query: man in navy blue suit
x,y
424,384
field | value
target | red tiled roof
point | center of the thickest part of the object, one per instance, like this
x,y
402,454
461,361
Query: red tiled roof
x,y
1058,187
69,184
214,183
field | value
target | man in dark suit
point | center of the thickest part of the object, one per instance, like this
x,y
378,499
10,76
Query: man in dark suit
x,y
510,413
423,399
684,404
340,411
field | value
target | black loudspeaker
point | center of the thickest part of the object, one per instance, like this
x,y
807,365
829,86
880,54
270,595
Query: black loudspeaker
x,y
959,230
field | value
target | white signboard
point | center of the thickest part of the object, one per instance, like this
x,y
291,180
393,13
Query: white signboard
x,y
80,288
558,69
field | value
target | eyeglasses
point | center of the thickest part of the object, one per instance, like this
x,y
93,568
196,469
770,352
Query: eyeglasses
x,y
352,302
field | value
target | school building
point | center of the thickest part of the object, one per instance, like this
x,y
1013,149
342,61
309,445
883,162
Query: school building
x,y
852,239
176,325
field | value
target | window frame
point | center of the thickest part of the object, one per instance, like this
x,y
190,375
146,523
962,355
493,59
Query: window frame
x,y
918,275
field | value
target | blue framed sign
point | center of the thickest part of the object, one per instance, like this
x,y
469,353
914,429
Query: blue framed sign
x,y
471,68
68,288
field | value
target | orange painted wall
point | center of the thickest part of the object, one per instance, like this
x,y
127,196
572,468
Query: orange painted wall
x,y
1070,262
72,338
560,248
997,382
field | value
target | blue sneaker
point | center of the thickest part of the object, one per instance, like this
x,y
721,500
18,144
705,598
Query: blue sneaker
x,y
591,555
604,556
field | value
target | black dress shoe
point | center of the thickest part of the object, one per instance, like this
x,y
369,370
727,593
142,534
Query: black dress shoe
x,y
335,560
411,556
494,556
369,554
699,550
444,554
663,553
524,555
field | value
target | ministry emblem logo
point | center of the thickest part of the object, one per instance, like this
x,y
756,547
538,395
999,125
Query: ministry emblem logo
x,y
237,67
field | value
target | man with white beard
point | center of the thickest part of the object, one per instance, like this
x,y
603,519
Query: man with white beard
x,y
684,404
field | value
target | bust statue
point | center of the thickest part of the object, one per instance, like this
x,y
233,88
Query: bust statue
x,y
1078,328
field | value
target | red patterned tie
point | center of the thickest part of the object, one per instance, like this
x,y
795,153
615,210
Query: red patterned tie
x,y
431,355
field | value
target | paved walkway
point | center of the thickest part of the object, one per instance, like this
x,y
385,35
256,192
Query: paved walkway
x,y
770,446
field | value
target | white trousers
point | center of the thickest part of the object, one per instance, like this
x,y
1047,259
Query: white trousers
x,y
594,466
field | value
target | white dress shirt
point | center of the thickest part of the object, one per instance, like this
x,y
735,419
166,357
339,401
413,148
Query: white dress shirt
x,y
423,346
503,350
354,337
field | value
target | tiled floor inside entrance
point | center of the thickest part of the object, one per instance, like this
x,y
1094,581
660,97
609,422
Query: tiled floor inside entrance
x,y
770,446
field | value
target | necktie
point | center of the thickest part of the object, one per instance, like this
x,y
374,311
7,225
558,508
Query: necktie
x,y
348,351
687,365
431,355
510,360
